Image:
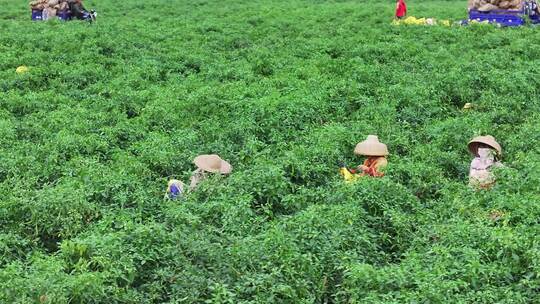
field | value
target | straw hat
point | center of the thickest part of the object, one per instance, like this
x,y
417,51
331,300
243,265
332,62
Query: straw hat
x,y
487,140
371,147
467,106
212,163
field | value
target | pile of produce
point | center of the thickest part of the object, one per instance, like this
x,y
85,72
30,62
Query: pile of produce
x,y
52,6
490,5
421,21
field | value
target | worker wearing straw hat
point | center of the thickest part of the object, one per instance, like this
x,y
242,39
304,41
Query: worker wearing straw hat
x,y
376,153
206,164
79,11
487,152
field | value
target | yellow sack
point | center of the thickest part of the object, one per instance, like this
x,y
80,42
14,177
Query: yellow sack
x,y
22,69
347,175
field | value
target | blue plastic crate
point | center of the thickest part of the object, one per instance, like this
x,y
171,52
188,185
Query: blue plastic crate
x,y
64,15
502,17
37,15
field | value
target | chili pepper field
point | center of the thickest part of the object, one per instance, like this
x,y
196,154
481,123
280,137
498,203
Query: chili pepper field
x,y
105,114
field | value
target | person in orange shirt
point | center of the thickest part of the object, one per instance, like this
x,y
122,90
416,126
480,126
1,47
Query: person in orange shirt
x,y
376,153
376,161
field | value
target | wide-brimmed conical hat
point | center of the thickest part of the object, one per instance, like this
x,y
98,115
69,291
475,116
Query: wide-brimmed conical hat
x,y
371,147
212,163
487,140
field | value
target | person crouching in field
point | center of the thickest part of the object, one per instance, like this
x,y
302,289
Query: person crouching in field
x,y
206,165
487,152
376,161
376,153
78,11
401,9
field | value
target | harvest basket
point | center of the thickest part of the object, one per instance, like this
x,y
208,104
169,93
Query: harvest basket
x,y
502,17
64,15
37,15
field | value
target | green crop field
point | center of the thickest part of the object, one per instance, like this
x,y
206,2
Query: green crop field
x,y
284,90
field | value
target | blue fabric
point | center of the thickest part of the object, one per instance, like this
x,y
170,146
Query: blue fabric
x,y
175,192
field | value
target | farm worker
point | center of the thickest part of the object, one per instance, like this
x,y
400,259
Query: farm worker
x,y
78,11
401,9
175,189
487,152
534,8
376,153
208,164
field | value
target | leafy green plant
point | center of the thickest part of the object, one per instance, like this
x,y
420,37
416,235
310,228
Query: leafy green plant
x,y
109,112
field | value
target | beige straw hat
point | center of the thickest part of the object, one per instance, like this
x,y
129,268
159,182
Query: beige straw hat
x,y
371,147
212,163
487,140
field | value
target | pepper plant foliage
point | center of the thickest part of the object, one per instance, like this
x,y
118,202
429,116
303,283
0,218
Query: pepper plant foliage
x,y
108,112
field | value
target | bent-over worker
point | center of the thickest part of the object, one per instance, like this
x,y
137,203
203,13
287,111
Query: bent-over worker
x,y
487,152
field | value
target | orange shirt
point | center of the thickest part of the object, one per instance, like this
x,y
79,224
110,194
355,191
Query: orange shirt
x,y
374,164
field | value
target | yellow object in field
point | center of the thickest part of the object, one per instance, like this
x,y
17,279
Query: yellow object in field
x,y
414,21
22,69
485,22
421,21
410,20
347,175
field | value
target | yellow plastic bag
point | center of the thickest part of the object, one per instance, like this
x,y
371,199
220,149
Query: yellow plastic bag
x,y
445,22
22,69
347,175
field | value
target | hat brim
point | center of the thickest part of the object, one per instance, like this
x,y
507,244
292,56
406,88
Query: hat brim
x,y
371,154
203,162
371,149
475,143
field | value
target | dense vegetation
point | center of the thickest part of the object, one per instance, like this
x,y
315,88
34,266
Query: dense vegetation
x,y
283,89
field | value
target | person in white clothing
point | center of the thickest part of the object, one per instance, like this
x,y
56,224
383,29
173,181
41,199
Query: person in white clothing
x,y
487,152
